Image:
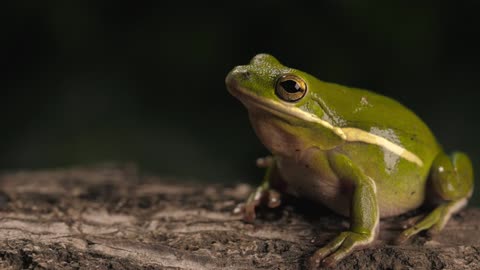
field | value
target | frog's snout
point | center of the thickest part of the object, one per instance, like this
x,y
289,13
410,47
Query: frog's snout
x,y
239,73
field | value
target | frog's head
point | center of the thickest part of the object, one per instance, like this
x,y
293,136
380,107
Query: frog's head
x,y
266,79
281,100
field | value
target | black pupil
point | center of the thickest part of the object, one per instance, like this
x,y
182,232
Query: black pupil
x,y
291,86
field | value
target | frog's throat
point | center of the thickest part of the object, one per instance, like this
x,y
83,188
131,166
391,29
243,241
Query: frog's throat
x,y
346,133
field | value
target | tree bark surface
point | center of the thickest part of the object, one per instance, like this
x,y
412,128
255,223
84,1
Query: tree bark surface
x,y
114,217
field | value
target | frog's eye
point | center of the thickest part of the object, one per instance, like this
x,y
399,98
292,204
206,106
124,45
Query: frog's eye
x,y
290,88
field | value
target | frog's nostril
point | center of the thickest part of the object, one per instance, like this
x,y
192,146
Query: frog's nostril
x,y
246,74
239,73
242,72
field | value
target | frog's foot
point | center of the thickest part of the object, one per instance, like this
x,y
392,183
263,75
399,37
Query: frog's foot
x,y
433,222
259,196
263,194
452,181
339,247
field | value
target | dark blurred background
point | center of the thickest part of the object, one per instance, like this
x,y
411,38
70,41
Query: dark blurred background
x,y
85,82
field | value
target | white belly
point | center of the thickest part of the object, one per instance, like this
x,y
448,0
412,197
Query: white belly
x,y
323,186
319,184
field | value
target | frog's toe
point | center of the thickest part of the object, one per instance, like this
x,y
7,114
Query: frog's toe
x,y
246,211
338,248
239,209
411,221
406,234
273,199
259,196
323,252
249,212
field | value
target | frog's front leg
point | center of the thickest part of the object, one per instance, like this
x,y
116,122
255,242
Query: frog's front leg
x,y
364,213
264,192
451,179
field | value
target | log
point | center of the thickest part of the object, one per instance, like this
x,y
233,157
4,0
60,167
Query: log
x,y
116,217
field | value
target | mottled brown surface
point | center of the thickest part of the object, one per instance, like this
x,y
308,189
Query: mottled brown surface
x,y
117,218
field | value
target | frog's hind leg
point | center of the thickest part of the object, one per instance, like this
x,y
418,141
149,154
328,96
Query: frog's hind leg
x,y
452,181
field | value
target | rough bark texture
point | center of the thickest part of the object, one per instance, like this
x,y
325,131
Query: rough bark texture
x,y
116,218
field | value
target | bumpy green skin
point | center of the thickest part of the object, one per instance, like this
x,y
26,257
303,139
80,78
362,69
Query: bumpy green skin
x,y
355,178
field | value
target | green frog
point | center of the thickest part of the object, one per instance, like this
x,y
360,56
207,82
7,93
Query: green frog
x,y
361,154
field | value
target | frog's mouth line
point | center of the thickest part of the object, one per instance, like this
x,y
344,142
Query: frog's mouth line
x,y
346,133
281,109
